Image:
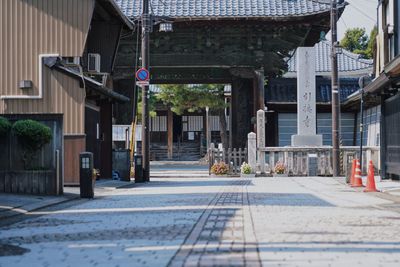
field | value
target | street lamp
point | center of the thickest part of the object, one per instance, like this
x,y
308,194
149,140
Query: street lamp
x,y
166,26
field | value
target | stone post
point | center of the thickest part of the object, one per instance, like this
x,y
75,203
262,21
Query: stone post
x,y
252,151
261,139
306,95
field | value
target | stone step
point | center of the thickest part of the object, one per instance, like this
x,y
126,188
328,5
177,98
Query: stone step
x,y
183,151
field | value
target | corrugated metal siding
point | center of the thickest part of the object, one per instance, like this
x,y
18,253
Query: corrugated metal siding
x,y
287,126
64,96
371,129
32,27
392,134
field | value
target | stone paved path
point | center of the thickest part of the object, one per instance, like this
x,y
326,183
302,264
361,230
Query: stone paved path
x,y
212,222
224,235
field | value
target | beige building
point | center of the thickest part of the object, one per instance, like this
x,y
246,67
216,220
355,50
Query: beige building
x,y
48,50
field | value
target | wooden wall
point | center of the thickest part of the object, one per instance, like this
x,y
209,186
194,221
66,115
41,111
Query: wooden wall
x,y
73,145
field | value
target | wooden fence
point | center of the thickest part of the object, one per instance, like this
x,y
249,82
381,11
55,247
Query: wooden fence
x,y
296,159
232,157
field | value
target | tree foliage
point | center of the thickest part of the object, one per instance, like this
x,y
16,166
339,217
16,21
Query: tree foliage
x,y
357,41
182,97
371,43
152,106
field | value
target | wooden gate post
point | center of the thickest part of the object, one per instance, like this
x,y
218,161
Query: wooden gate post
x,y
211,158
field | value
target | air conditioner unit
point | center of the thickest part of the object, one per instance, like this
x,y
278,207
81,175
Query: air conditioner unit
x,y
72,60
93,62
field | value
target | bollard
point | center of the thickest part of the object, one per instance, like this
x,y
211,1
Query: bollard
x,y
138,160
86,181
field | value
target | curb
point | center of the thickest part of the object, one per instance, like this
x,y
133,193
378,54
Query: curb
x,y
22,210
15,212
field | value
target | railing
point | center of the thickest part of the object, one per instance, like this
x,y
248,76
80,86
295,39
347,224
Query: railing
x,y
296,159
232,157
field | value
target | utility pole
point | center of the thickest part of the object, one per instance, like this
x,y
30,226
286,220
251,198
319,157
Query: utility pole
x,y
146,27
335,92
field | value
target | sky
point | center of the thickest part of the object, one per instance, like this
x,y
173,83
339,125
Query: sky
x,y
359,13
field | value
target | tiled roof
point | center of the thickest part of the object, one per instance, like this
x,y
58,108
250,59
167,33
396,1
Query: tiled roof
x,y
225,8
285,89
347,61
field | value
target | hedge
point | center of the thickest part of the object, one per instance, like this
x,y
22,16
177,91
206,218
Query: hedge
x,y
5,126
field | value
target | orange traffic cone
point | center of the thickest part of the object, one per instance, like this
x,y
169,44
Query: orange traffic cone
x,y
353,169
371,179
357,181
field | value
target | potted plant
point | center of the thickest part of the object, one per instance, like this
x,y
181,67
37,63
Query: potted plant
x,y
279,169
246,171
219,168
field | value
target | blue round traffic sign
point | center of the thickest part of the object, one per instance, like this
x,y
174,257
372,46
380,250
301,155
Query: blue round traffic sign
x,y
142,74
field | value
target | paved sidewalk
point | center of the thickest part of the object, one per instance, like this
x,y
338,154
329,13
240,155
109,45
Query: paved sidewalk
x,y
224,234
390,187
320,222
18,204
297,221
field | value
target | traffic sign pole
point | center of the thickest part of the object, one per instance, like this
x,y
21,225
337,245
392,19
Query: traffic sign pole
x,y
145,92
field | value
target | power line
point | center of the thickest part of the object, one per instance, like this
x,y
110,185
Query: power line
x,y
368,1
344,23
363,13
350,4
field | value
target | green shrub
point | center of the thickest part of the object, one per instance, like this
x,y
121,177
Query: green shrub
x,y
245,168
5,126
32,136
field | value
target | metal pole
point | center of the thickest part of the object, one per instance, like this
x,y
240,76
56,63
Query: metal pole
x,y
207,128
361,127
335,93
383,137
146,26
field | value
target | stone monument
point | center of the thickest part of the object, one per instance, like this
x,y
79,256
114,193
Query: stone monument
x,y
261,139
306,107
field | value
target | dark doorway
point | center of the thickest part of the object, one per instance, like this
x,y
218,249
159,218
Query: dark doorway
x,y
392,140
177,128
92,131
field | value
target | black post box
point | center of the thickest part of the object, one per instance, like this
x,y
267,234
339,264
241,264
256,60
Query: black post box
x,y
138,169
86,181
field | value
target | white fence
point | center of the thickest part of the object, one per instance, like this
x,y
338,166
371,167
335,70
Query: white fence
x,y
121,132
296,159
307,160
